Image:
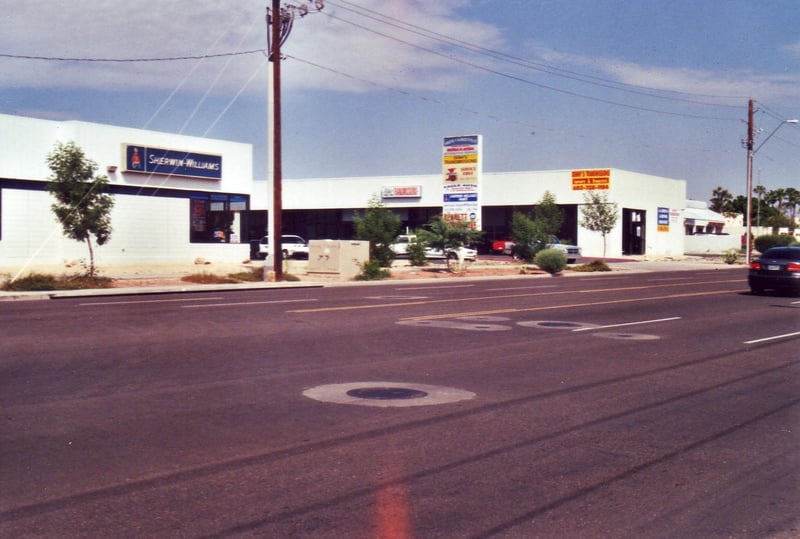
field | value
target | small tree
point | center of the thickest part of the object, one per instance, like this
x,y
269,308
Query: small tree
x,y
380,227
82,206
599,215
529,236
442,234
549,214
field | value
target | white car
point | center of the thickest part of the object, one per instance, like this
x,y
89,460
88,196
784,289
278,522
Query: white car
x,y
462,253
572,252
400,248
291,246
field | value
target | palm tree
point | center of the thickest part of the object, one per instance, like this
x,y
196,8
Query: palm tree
x,y
776,197
720,200
792,197
759,191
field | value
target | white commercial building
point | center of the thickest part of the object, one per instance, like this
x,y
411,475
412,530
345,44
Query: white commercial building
x,y
649,207
179,198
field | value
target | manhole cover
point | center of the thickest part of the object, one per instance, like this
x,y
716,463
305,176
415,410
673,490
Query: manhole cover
x,y
387,394
556,324
628,336
384,393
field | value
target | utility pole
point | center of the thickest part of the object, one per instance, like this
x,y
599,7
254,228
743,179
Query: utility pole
x,y
279,26
748,234
277,165
751,151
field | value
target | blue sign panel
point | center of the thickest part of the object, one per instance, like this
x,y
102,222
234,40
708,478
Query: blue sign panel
x,y
467,140
663,216
172,162
461,197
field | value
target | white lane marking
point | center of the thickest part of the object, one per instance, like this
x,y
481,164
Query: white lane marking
x,y
773,338
236,304
149,301
434,287
520,288
629,324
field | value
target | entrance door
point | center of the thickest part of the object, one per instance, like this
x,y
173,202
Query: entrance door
x,y
633,227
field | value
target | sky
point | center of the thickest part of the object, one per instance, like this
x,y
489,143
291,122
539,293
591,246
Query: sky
x,y
371,87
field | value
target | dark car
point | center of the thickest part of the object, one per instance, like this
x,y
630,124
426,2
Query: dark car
x,y
777,269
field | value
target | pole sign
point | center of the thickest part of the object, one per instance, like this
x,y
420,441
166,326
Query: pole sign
x,y
171,162
461,173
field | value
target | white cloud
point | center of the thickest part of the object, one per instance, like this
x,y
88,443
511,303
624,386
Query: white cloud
x,y
157,29
730,83
792,48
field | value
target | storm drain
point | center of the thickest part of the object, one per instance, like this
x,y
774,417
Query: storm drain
x,y
387,394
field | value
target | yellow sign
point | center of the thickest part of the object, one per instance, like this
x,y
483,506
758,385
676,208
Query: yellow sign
x,y
459,159
591,180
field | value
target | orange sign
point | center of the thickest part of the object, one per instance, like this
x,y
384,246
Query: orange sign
x,y
591,180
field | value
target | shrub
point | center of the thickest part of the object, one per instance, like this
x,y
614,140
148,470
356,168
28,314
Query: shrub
x,y
594,265
207,278
255,274
416,253
767,241
731,256
551,260
38,282
372,271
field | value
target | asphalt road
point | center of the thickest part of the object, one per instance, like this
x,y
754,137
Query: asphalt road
x,y
606,405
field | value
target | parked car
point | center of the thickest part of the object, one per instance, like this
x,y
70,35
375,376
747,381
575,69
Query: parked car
x,y
400,248
776,269
572,252
464,253
291,246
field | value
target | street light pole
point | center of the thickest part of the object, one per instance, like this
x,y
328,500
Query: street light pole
x,y
751,151
279,26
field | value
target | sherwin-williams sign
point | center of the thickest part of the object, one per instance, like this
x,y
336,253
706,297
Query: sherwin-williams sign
x,y
461,171
172,162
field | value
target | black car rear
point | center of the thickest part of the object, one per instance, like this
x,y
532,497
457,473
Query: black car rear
x,y
777,269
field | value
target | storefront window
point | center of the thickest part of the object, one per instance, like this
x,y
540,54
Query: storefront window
x,y
216,218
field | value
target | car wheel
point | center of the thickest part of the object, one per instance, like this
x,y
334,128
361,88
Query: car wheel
x,y
285,253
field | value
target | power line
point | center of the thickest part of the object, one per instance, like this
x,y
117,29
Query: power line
x,y
538,66
130,60
528,125
530,82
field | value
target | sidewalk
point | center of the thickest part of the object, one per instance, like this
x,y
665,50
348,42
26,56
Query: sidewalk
x,y
166,278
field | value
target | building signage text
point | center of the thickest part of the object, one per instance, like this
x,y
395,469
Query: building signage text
x,y
591,180
663,219
171,162
401,191
461,171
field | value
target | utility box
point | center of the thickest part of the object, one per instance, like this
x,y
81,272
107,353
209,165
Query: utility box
x,y
337,257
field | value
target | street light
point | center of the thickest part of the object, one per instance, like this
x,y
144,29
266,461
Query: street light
x,y
279,25
750,153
